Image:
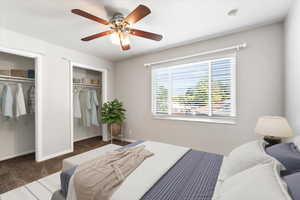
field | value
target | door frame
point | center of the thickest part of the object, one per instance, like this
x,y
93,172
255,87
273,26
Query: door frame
x,y
104,96
38,95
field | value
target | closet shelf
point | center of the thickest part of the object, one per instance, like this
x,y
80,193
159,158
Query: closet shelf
x,y
86,85
16,79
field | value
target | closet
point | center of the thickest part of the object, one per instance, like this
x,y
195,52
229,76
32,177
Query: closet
x,y
87,101
17,105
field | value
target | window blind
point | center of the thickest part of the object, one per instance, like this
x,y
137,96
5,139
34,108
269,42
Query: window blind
x,y
198,89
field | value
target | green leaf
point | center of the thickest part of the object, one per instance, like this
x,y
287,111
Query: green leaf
x,y
113,112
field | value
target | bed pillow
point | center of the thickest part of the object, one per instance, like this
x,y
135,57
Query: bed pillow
x,y
296,141
260,182
286,153
293,184
245,157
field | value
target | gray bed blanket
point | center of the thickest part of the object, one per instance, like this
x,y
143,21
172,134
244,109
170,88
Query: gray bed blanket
x,y
193,177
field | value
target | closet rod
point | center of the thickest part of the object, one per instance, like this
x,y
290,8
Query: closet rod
x,y
86,85
16,79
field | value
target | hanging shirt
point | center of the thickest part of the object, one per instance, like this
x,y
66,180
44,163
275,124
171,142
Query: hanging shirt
x,y
20,102
94,110
6,101
31,100
85,105
76,105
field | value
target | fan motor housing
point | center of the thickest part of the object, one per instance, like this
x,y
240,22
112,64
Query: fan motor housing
x,y
118,23
117,18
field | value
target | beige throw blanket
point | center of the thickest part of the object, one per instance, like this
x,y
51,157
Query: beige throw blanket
x,y
97,179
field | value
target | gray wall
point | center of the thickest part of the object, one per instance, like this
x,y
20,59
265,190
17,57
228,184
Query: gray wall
x,y
260,91
292,101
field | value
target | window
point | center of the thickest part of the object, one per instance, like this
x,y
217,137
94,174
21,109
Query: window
x,y
195,90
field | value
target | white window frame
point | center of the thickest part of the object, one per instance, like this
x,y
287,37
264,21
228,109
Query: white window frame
x,y
208,119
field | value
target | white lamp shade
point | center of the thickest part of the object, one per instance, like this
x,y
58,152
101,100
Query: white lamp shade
x,y
273,126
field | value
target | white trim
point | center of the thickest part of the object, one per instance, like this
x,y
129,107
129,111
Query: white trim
x,y
17,155
124,139
129,140
71,107
21,52
93,136
153,94
233,58
104,96
234,87
236,47
209,90
85,138
38,107
202,119
170,90
54,155
38,94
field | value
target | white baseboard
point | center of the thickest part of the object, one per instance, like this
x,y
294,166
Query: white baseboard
x,y
17,155
55,155
118,138
70,151
124,139
86,137
129,140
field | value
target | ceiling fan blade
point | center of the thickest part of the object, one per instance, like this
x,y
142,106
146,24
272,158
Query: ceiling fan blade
x,y
137,14
97,35
125,45
89,16
144,34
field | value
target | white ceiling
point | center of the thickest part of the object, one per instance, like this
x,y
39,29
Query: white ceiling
x,y
178,21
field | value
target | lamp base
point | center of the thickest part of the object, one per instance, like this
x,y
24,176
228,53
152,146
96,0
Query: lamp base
x,y
272,140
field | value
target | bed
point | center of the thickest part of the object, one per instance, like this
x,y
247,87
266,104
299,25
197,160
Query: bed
x,y
177,173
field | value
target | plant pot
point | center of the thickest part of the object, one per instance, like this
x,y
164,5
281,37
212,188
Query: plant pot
x,y
115,129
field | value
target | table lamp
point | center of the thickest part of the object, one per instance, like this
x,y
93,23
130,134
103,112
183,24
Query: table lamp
x,y
273,128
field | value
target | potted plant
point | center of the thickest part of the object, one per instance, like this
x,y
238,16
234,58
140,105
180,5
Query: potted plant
x,y
113,114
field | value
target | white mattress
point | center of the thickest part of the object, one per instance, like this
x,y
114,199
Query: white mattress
x,y
83,157
76,160
219,182
139,182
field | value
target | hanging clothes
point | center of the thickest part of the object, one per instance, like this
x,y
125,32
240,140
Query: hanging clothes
x,y
76,105
20,102
85,104
31,100
94,110
6,101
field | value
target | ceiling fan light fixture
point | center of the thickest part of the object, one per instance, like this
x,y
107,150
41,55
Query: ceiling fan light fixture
x,y
120,27
115,39
124,37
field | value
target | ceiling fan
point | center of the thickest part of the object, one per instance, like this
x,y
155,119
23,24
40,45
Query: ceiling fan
x,y
120,26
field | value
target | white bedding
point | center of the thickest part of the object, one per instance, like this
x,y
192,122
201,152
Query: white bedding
x,y
139,182
220,180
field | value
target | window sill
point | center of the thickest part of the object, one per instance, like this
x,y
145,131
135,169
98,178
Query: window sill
x,y
204,120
